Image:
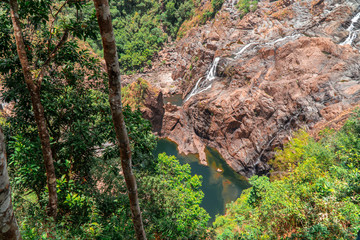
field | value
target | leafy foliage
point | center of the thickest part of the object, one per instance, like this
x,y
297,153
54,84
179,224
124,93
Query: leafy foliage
x,y
246,6
286,160
215,7
92,199
142,27
169,198
317,199
178,195
134,94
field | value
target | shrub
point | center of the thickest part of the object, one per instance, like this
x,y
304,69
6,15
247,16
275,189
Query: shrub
x,y
317,199
246,6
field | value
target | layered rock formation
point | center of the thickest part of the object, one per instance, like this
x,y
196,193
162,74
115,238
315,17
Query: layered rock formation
x,y
249,83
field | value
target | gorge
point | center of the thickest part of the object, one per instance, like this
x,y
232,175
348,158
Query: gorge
x,y
249,83
232,119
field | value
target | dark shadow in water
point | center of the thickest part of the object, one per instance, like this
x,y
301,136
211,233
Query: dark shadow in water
x,y
175,99
219,188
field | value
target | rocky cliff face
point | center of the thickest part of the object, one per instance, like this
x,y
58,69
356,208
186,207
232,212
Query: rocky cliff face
x,y
249,83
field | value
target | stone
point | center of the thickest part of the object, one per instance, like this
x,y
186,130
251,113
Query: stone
x,y
294,75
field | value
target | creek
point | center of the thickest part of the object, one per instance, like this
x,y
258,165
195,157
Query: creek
x,y
219,188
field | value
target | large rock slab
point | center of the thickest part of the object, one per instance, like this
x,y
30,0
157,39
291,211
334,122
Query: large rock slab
x,y
281,68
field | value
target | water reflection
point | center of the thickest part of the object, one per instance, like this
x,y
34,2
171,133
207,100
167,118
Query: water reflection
x,y
219,187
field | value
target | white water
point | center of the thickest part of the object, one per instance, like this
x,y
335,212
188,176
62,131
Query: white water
x,y
294,36
243,49
352,33
206,84
212,72
201,86
192,93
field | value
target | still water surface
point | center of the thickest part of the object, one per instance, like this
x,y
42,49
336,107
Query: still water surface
x,y
175,99
219,187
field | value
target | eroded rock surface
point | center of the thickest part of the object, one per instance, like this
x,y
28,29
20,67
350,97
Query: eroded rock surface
x,y
278,69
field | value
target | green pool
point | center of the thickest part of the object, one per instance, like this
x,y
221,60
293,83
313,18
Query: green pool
x,y
219,187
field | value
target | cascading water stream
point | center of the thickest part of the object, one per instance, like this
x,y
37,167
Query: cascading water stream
x,y
293,36
201,86
212,72
352,31
243,49
193,91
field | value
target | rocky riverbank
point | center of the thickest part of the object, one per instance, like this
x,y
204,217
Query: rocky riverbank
x,y
249,83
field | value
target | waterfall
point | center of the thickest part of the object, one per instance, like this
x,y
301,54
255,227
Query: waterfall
x,y
352,33
212,72
242,50
201,86
193,91
237,55
205,84
293,37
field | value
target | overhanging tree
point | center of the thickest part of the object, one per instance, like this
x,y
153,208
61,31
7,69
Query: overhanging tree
x,y
41,30
33,85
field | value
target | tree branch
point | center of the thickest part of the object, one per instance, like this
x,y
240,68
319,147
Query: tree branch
x,y
58,46
51,56
54,19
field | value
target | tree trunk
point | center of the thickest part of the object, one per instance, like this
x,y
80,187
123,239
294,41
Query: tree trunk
x,y
9,229
34,90
113,70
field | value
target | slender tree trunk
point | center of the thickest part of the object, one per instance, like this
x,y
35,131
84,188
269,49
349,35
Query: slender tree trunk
x,y
34,90
113,70
9,229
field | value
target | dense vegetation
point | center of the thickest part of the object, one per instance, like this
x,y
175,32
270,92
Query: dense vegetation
x,y
136,93
246,6
90,186
315,197
313,192
92,199
142,27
